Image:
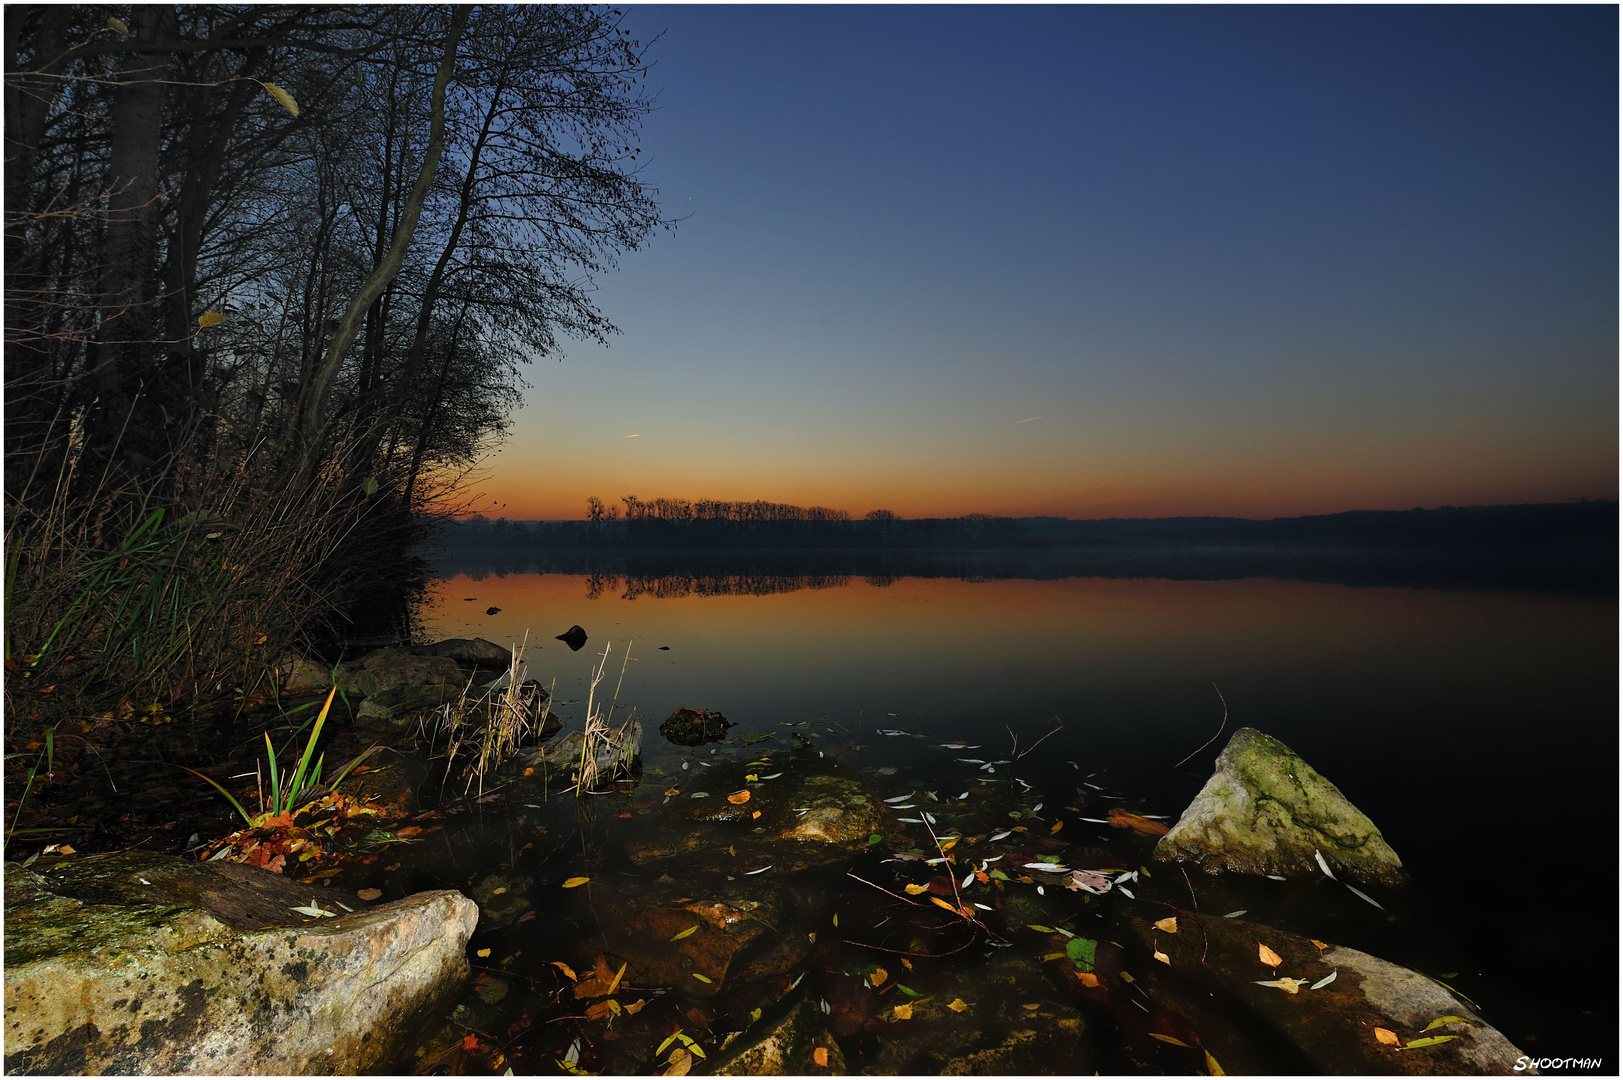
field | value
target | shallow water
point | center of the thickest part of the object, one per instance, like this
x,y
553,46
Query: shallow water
x,y
1476,728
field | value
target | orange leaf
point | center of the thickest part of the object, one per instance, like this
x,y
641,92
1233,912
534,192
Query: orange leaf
x,y
739,798
1087,978
1386,1038
820,1055
369,894
567,970
470,1043
1058,825
1320,945
1268,955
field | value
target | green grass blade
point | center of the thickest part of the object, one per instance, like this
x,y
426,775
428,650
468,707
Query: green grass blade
x,y
309,749
245,815
276,786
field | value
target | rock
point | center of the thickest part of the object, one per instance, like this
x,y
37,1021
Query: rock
x,y
383,670
298,676
502,900
996,1034
1266,811
154,964
842,812
694,727
783,1044
1331,1030
742,934
574,637
474,651
391,782
562,756
398,709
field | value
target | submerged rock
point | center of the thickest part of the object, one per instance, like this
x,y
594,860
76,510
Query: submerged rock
x,y
832,810
143,963
1266,811
784,1043
694,727
1213,979
502,900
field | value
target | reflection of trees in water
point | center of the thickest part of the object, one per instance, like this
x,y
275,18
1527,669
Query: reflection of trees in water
x,y
672,586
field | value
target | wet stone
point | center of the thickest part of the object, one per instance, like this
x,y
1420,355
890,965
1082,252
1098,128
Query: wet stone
x,y
502,900
784,1043
694,727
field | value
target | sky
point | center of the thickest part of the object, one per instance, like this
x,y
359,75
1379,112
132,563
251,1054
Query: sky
x,y
1098,261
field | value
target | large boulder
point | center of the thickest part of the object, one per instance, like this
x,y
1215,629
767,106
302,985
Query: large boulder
x,y
473,651
297,676
1214,980
387,669
144,963
1266,811
399,709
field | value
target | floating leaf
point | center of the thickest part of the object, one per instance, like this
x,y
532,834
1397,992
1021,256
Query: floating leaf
x,y
1082,951
902,1012
820,1055
576,882
909,991
314,911
739,798
1058,825
1169,924
703,979
1268,956
635,1007
482,953
668,1040
567,970
679,1062
1290,986
1364,897
680,934
1235,914
369,894
1161,956
700,795
1040,928
878,976
1444,1021
1387,1038
1212,1067
914,890
283,98
1087,978
1170,1039
1326,981
958,1005
618,975
1429,1040
938,902
208,319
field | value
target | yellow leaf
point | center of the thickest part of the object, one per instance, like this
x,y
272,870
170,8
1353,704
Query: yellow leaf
x,y
957,1005
208,319
1087,978
283,98
1169,924
1441,1021
938,902
1127,977
567,970
1032,1007
755,1014
576,882
752,776
1387,1038
1320,945
679,1062
820,1055
914,890
902,1012
1212,1067
878,976
482,953
635,1007
1169,1039
617,977
119,26
704,979
755,814
1053,956
680,934
1268,956
1161,956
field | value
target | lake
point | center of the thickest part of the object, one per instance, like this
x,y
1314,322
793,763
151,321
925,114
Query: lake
x,y
1477,728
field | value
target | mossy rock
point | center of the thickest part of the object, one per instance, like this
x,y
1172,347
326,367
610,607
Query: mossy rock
x,y
1266,811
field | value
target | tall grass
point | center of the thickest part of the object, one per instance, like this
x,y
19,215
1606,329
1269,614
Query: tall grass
x,y
493,724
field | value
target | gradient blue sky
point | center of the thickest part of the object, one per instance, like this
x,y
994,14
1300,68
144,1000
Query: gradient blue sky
x,y
1252,261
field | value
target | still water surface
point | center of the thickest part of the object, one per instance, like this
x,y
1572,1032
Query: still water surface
x,y
1478,729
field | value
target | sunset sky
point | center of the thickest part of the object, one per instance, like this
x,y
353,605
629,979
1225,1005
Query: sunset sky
x,y
1102,261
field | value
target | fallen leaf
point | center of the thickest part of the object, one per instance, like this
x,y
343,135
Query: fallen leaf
x,y
1169,924
1170,1039
820,1055
914,890
1290,986
369,894
635,1007
599,1009
1387,1038
566,969
1212,1067
1320,945
1268,956
878,976
1032,1007
470,1043
958,1005
703,979
1429,1040
671,793
617,977
755,814
739,798
1326,981
679,1062
1040,928
576,882
1161,956
1444,1021
938,902
902,1012
1087,978
1058,825
680,934
482,953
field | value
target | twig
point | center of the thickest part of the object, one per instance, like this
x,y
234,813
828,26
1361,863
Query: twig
x,y
1220,727
1016,752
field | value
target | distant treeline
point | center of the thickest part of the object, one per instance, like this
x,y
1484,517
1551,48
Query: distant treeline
x,y
712,524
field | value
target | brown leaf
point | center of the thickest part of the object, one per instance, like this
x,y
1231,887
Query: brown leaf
x,y
369,894
1387,1038
1268,956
